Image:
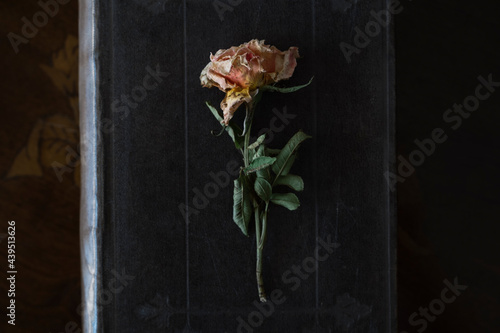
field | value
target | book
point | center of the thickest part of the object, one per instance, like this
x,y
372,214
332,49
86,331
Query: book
x,y
160,251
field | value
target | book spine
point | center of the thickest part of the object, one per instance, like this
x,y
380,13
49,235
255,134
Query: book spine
x,y
91,156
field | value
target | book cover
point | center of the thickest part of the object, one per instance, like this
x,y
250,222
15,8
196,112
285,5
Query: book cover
x,y
160,251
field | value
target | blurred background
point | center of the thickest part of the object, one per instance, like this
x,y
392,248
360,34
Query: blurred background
x,y
39,105
448,207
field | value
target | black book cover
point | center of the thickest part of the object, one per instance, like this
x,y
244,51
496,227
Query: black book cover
x,y
159,252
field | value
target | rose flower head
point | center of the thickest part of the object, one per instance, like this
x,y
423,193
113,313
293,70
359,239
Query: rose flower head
x,y
241,70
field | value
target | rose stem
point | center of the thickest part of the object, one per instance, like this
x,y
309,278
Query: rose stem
x,y
258,236
261,239
249,116
258,264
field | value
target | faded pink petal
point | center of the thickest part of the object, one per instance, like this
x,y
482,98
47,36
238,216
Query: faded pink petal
x,y
248,66
234,98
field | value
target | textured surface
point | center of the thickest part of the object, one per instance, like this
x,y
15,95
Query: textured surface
x,y
196,273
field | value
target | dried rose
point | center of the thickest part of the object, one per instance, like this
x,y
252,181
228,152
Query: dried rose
x,y
241,70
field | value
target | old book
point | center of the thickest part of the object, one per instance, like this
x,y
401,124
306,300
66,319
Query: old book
x,y
160,252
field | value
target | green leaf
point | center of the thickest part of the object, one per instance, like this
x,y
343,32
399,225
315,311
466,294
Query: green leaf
x,y
286,90
293,181
289,164
272,152
259,163
242,205
287,200
251,155
265,172
233,130
260,152
214,112
257,142
287,155
263,189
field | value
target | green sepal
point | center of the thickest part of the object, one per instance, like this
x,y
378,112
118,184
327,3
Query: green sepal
x,y
285,90
232,129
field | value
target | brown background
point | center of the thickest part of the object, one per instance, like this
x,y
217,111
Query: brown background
x,y
39,105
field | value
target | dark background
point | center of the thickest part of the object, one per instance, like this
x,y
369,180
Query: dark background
x,y
447,210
